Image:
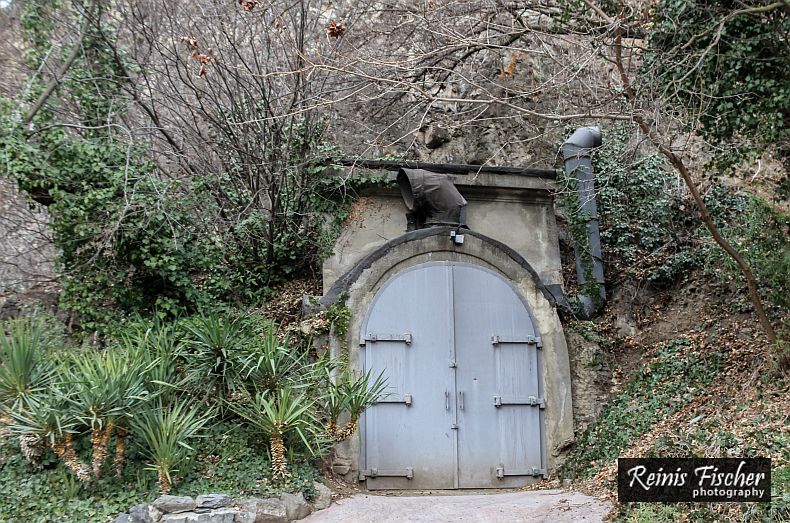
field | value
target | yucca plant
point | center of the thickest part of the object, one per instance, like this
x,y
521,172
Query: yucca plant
x,y
277,414
23,369
212,352
271,363
165,431
48,419
352,394
106,389
24,372
153,345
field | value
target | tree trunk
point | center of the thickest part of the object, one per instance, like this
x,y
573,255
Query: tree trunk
x,y
278,458
64,449
100,440
164,482
120,451
348,430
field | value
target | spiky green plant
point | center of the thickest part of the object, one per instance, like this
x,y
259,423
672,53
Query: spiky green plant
x,y
47,418
212,351
271,363
106,388
165,431
23,369
153,344
353,394
277,414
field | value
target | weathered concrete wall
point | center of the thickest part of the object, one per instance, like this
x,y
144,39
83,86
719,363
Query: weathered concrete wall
x,y
514,209
554,362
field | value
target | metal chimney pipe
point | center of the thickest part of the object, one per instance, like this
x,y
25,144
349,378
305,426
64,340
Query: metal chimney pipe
x,y
577,155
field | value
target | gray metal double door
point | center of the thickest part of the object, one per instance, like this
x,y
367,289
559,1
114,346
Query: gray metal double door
x,y
462,360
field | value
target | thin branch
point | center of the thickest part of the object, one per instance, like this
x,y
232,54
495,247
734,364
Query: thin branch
x,y
59,75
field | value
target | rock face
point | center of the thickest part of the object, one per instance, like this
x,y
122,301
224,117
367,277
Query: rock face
x,y
591,377
221,508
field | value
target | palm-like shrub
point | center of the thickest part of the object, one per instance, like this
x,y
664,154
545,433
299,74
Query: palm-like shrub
x,y
271,363
165,431
351,394
23,370
212,354
47,418
141,387
277,414
106,388
154,346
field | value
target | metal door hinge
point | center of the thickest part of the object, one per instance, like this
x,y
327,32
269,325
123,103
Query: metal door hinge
x,y
374,337
532,471
406,399
531,401
407,473
526,340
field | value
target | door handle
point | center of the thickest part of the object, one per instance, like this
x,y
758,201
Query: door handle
x,y
461,399
446,400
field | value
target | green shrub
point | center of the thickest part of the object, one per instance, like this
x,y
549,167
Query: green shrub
x,y
155,390
229,457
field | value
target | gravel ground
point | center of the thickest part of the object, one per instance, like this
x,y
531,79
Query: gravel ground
x,y
538,505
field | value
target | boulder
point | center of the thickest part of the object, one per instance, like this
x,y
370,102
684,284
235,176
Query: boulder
x,y
296,507
341,466
261,510
436,136
212,501
323,498
144,513
174,504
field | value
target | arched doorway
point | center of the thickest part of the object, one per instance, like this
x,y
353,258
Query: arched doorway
x,y
462,358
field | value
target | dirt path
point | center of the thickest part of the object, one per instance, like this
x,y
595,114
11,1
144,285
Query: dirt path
x,y
532,506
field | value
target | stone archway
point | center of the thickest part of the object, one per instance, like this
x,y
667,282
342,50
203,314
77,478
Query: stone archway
x,y
359,286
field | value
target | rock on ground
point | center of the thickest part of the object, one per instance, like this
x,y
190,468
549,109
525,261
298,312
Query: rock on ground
x,y
323,497
174,504
295,506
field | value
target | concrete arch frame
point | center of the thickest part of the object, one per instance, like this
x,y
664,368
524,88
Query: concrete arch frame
x,y
360,285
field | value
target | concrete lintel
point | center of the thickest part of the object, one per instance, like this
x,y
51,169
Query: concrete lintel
x,y
475,181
